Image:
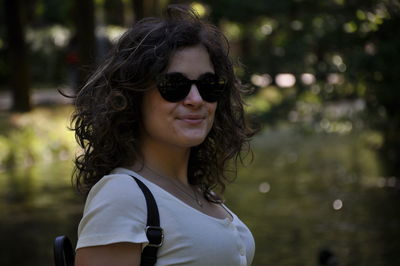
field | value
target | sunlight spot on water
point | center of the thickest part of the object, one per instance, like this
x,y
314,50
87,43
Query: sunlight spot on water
x,y
337,204
264,187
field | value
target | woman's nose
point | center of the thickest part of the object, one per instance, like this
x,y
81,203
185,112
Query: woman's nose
x,y
194,97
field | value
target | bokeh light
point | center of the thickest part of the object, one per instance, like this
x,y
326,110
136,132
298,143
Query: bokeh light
x,y
285,80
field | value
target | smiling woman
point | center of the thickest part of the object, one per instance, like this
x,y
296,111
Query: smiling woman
x,y
166,109
185,123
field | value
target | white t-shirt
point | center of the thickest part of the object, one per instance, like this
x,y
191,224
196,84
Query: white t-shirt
x,y
115,211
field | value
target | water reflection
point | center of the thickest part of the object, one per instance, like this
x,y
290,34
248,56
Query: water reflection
x,y
264,187
322,200
302,196
337,204
37,204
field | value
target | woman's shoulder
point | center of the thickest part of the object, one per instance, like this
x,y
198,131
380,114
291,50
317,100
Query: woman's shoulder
x,y
117,188
115,211
113,181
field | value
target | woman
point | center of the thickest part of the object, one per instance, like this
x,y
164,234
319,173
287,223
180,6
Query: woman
x,y
164,107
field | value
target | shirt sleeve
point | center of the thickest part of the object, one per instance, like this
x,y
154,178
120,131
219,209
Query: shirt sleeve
x,y
115,211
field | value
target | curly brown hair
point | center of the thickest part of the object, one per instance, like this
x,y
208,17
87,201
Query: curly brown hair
x,y
108,108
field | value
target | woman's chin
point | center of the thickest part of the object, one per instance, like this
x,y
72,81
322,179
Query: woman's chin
x,y
192,141
191,138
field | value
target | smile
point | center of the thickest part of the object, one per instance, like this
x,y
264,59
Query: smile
x,y
192,119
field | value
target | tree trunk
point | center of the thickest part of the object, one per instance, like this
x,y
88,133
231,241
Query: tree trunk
x,y
114,11
85,37
138,9
147,8
157,8
390,154
19,78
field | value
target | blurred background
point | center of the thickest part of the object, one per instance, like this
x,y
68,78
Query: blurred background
x,y
323,188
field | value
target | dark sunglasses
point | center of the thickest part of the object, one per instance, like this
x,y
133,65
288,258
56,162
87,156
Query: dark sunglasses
x,y
174,87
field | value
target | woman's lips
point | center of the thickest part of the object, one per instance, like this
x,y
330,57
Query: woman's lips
x,y
192,120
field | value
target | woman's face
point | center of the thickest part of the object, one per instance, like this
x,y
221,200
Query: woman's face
x,y
185,123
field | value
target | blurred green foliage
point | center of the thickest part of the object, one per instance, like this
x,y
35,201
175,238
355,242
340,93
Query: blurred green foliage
x,y
35,137
320,38
302,56
48,26
325,65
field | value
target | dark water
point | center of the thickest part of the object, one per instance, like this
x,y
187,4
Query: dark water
x,y
37,204
306,193
300,195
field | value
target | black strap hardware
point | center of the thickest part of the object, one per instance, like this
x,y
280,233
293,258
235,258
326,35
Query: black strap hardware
x,y
155,234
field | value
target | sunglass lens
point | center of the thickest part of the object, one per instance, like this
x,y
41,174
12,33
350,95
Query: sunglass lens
x,y
211,87
173,87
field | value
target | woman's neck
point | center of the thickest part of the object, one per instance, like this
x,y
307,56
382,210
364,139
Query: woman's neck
x,y
166,160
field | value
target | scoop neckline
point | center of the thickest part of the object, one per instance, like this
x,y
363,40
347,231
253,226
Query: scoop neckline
x,y
225,220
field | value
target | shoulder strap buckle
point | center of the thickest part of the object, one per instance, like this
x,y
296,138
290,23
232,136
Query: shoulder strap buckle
x,y
155,235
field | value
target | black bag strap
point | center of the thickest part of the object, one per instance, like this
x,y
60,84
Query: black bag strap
x,y
64,254
154,232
